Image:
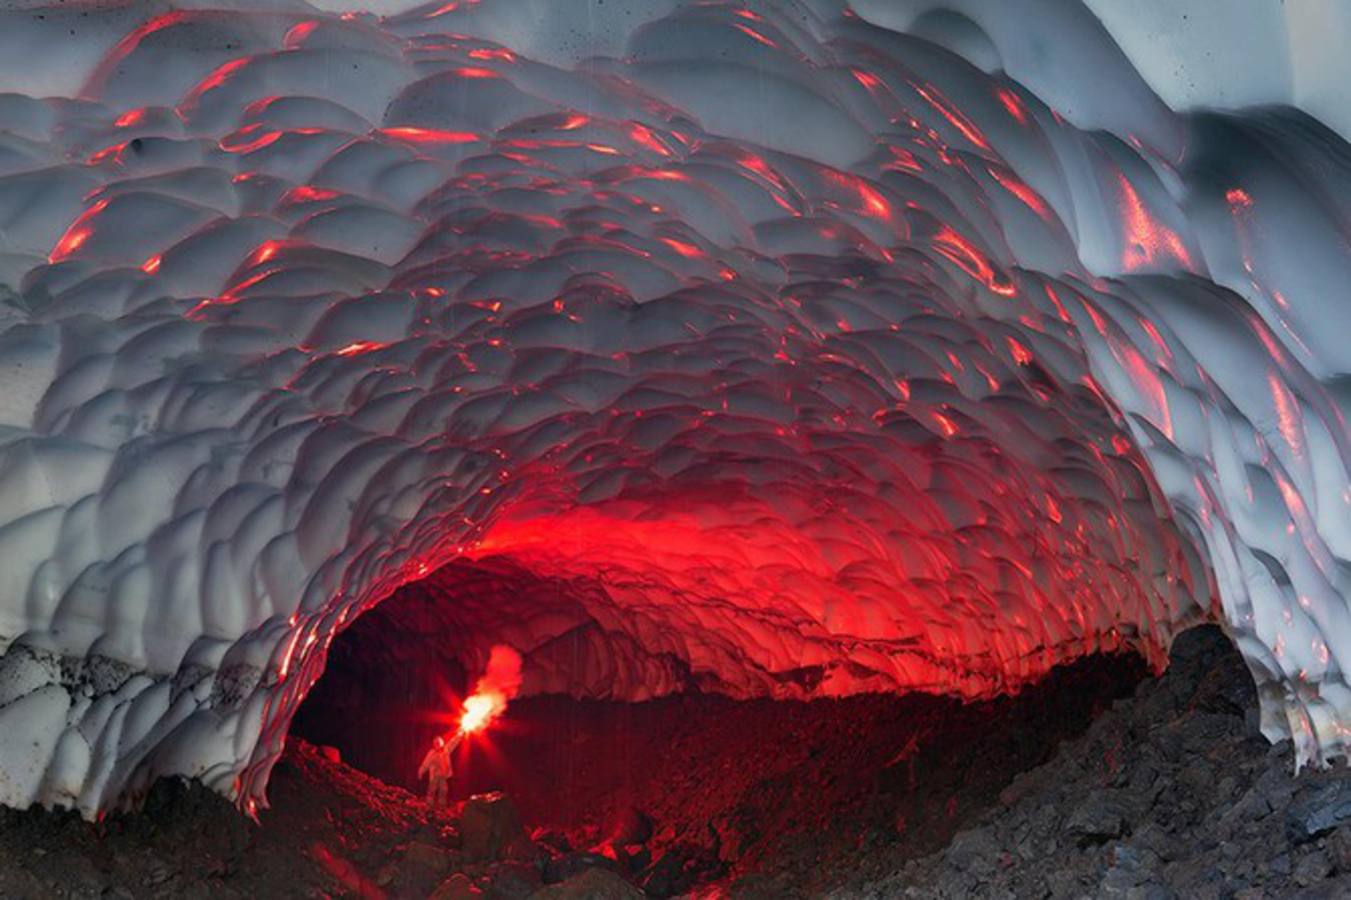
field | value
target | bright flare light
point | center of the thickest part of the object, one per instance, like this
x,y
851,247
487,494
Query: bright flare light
x,y
500,682
479,711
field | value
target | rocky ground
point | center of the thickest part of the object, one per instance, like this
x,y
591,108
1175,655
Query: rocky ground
x,y
1171,794
1078,788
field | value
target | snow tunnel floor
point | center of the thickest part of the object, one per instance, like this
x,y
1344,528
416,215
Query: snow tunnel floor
x,y
1165,790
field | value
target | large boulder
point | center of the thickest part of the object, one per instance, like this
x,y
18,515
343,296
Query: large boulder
x,y
490,828
423,867
566,865
1324,810
680,868
632,826
513,881
456,887
590,884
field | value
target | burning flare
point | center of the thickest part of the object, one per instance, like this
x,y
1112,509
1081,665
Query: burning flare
x,y
499,684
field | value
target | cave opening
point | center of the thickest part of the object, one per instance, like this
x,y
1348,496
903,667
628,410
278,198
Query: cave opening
x,y
730,787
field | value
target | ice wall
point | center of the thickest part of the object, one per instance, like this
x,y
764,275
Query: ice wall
x,y
787,352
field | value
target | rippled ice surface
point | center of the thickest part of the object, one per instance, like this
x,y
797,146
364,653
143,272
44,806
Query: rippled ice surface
x,y
791,349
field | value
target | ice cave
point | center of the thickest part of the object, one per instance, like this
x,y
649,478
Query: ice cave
x,y
816,366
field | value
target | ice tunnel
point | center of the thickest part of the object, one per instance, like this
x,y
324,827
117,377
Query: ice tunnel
x,y
779,349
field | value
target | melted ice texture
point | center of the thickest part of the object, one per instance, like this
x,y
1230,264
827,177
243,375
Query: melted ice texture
x,y
775,350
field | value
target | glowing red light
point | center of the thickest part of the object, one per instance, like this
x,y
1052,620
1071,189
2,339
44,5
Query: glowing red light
x,y
867,79
1021,355
79,231
1017,188
308,193
970,260
356,348
659,174
689,251
871,199
248,139
760,167
903,161
1146,239
642,135
429,135
1237,198
298,33
1150,386
751,32
266,251
478,712
501,54
959,121
114,152
1013,103
476,72
218,77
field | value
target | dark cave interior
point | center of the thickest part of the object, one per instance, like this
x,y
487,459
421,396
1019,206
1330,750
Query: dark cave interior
x,y
747,784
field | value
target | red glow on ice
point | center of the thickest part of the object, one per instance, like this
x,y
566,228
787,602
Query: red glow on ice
x,y
902,161
429,135
945,424
298,33
254,137
77,234
475,72
357,348
1013,104
1150,385
114,153
867,79
952,114
501,54
1237,198
752,33
759,167
218,77
308,193
1019,189
644,136
133,40
970,260
1288,417
870,199
1021,355
266,251
1147,240
658,174
689,251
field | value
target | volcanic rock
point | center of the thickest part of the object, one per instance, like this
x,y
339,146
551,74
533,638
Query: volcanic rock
x,y
456,887
1321,812
590,884
561,868
490,828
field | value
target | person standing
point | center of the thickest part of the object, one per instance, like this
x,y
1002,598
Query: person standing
x,y
436,768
